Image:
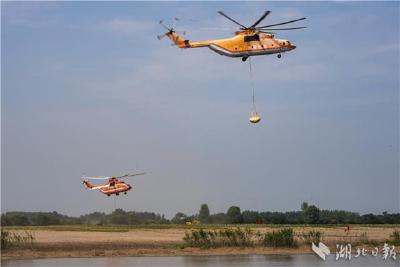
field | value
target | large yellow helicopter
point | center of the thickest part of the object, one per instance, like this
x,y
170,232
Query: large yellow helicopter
x,y
248,41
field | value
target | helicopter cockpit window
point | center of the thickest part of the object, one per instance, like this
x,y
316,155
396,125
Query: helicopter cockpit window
x,y
251,38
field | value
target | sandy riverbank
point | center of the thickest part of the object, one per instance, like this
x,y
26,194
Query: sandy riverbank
x,y
167,242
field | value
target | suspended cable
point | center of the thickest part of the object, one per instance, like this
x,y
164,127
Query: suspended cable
x,y
115,202
254,117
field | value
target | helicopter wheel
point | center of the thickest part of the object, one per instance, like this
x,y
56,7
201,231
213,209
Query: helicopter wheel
x,y
117,194
108,195
125,193
279,55
244,59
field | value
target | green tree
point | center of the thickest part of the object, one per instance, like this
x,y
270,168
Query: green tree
x,y
179,218
304,206
218,218
234,215
311,214
251,216
204,213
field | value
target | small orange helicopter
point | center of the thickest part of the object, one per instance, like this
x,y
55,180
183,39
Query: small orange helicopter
x,y
113,186
248,41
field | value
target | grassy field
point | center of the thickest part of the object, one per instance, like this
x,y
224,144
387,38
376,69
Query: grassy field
x,y
171,239
126,228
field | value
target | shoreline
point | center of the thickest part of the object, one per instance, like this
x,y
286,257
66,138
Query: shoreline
x,y
168,251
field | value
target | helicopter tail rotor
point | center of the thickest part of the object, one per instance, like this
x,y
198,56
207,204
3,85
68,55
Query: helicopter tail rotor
x,y
173,35
161,36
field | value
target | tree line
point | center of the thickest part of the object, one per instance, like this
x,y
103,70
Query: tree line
x,y
309,214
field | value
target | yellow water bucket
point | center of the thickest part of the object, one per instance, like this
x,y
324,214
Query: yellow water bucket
x,y
255,118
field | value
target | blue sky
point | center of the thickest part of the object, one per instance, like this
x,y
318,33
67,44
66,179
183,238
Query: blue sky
x,y
87,89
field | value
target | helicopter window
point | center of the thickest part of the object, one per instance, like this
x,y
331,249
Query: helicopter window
x,y
250,38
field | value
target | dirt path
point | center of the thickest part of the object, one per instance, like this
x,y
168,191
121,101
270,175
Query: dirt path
x,y
135,236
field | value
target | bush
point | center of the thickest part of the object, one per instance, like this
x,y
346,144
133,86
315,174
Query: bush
x,y
312,237
5,239
280,238
227,237
236,238
199,238
9,239
395,238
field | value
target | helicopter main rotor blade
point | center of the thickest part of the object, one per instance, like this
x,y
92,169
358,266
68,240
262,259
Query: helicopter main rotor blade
x,y
176,20
266,32
260,19
231,19
159,37
95,178
130,175
162,24
284,29
282,23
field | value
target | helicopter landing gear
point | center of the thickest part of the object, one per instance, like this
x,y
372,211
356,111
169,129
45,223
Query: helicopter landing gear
x,y
117,194
244,58
279,55
108,195
125,193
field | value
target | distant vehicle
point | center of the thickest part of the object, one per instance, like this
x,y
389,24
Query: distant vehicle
x,y
113,186
248,41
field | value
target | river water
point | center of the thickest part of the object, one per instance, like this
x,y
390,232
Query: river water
x,y
200,261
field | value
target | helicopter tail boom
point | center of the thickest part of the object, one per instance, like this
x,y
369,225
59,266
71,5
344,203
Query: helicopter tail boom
x,y
178,40
87,184
182,43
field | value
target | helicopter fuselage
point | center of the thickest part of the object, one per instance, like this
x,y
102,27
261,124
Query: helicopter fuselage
x,y
114,186
117,188
243,44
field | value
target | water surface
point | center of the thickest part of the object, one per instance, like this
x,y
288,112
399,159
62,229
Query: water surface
x,y
201,261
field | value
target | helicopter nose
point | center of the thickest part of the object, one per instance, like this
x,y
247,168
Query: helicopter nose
x,y
292,46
